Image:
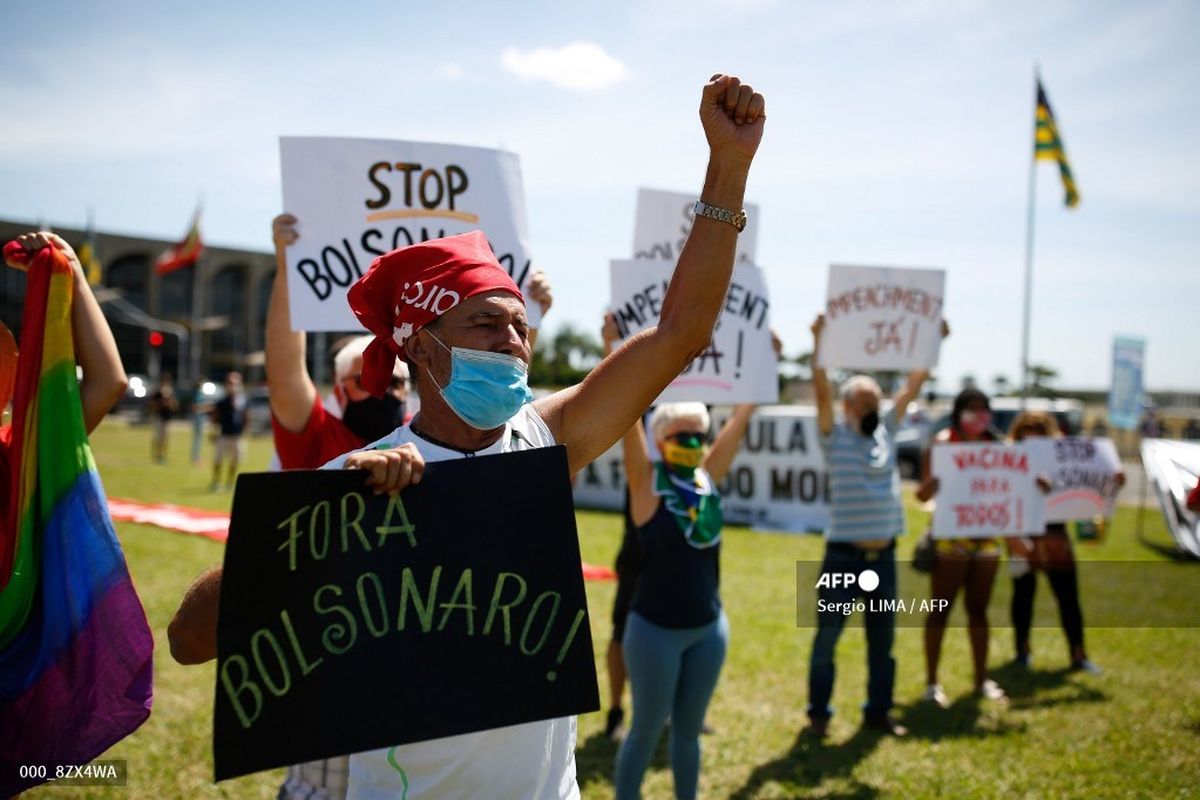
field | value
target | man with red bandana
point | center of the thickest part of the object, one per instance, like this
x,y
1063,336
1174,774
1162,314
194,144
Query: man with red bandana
x,y
452,313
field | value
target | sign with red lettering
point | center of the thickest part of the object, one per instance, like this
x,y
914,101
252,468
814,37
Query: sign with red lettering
x,y
738,366
986,489
1083,473
356,199
882,318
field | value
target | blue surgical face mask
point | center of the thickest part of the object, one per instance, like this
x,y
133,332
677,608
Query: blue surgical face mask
x,y
486,389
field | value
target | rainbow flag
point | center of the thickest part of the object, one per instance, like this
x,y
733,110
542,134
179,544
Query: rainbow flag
x,y
75,649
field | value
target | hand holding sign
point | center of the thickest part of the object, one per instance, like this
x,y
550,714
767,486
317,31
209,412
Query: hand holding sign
x,y
391,470
350,622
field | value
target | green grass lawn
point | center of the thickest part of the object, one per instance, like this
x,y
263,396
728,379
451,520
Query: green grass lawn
x,y
1132,732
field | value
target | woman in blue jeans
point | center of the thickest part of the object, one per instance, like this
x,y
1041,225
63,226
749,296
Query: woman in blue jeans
x,y
676,633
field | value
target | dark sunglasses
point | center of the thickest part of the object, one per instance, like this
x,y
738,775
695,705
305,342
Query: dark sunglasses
x,y
689,439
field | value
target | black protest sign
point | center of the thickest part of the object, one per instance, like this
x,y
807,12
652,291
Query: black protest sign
x,y
351,622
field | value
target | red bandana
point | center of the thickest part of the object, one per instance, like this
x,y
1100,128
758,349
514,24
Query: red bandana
x,y
408,288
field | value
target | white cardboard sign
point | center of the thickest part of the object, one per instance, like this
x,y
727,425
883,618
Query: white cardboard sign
x,y
778,480
882,318
739,364
356,199
1084,475
986,489
665,218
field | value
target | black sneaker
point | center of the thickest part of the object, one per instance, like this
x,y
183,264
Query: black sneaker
x,y
612,728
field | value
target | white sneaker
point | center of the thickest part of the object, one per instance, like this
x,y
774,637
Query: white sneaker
x,y
1088,666
992,691
934,694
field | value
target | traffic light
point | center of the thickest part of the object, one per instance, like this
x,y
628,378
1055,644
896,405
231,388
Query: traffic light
x,y
156,339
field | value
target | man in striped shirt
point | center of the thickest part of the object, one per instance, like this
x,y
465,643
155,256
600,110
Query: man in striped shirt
x,y
866,517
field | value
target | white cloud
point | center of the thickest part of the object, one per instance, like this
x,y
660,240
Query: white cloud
x,y
579,66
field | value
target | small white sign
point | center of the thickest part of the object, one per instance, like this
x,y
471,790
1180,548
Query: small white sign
x,y
882,318
1083,473
739,364
986,489
356,199
665,218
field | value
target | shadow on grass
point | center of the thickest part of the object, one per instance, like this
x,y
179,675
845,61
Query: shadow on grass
x,y
1025,685
1171,551
960,720
596,757
810,762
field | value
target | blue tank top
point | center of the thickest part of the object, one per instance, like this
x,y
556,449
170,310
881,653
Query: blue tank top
x,y
678,585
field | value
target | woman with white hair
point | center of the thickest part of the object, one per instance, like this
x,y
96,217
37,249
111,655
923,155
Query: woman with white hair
x,y
676,632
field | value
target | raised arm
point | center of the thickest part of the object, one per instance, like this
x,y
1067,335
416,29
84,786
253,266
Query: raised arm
x,y
589,417
639,471
104,379
725,446
289,387
820,380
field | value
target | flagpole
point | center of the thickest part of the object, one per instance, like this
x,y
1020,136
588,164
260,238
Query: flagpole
x,y
1029,253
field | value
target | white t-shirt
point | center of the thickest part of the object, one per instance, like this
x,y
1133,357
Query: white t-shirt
x,y
534,760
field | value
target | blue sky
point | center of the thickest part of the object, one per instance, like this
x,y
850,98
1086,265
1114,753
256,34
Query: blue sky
x,y
898,134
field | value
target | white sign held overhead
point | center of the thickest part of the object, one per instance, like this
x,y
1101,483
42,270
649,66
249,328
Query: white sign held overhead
x,y
882,318
1083,473
356,199
739,364
986,489
665,218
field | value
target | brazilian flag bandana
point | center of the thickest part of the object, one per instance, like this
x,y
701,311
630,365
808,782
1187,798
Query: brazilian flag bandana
x,y
693,502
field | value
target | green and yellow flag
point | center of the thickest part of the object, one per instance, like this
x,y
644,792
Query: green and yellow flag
x,y
1048,145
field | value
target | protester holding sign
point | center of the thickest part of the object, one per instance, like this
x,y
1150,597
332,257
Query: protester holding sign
x,y
453,313
866,518
966,564
1052,554
676,634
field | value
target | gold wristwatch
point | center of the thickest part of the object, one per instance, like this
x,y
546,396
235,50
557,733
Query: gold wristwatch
x,y
736,219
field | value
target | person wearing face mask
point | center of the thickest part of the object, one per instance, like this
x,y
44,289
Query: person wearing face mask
x,y
1050,553
866,516
675,633
962,564
451,311
306,432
